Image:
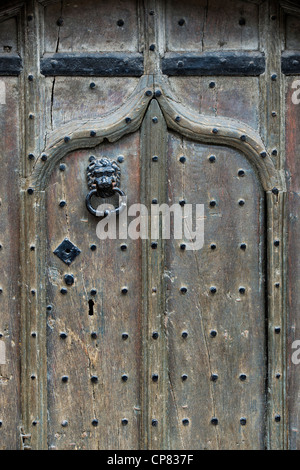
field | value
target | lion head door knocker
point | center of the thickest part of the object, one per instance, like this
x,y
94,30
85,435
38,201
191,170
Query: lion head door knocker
x,y
103,178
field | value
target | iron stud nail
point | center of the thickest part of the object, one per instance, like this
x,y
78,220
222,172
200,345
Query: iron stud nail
x,y
275,191
31,156
213,289
69,279
177,118
124,422
263,154
63,291
214,377
277,330
241,173
184,377
124,378
274,152
30,78
92,133
154,422
128,120
123,247
92,85
120,159
148,93
214,421
64,378
64,424
62,167
67,139
182,159
242,21
183,246
185,422
120,23
94,379
152,47
276,242
212,203
212,159
124,290
60,22
93,291
155,335
95,422
62,203
157,93
182,202
242,290
213,246
44,157
154,158
243,246
30,190
184,334
63,335
93,247
215,130
155,377
124,336
183,290
277,418
155,120
94,335
212,85
243,138
33,334
181,22
243,377
213,333
243,421
154,245
274,77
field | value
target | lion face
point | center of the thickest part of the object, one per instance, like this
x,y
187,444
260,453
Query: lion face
x,y
103,174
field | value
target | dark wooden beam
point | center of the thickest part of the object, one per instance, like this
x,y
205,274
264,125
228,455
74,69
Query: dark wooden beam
x,y
290,63
10,64
214,63
93,64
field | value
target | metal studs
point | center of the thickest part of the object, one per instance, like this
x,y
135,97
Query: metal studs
x,y
62,167
33,377
123,247
154,158
64,378
64,423
177,118
274,114
214,377
49,308
120,159
30,156
277,330
215,130
93,292
184,334
60,22
33,334
94,379
182,159
212,85
31,116
92,85
182,246
155,335
243,246
33,291
214,421
30,191
277,285
243,138
95,422
34,423
242,21
184,377
212,158
276,242
275,191
44,157
124,378
277,418
69,279
154,423
120,23
243,421
185,422
62,203
213,203
241,202
154,245
243,377
155,120
274,77
93,247
128,120
183,290
32,248
93,133
157,93
30,78
182,202
242,290
152,47
263,154
241,173
213,333
154,377
63,291
154,201
278,376
148,93
124,336
213,289
213,246
124,422
274,152
181,22
67,139
94,335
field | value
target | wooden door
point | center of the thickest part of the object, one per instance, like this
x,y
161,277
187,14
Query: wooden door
x,y
140,342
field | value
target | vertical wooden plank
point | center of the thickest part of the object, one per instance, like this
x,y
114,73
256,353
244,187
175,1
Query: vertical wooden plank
x,y
154,394
10,261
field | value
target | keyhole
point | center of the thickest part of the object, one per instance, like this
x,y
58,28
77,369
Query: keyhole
x,y
91,307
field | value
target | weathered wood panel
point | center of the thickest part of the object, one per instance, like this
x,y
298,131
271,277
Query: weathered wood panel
x,y
91,26
114,396
214,96
8,35
292,37
213,25
10,262
219,377
293,247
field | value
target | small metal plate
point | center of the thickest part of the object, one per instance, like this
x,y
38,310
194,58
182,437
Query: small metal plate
x,y
67,251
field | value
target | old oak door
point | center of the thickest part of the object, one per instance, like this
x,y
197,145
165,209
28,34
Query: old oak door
x,y
130,343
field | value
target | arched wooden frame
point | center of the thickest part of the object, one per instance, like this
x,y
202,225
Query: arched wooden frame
x,y
89,134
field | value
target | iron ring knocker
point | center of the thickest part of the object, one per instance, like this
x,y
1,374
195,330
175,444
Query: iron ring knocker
x,y
108,212
103,178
